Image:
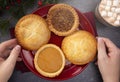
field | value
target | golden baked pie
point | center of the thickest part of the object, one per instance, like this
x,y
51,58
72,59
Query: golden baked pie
x,y
80,47
49,60
62,19
32,32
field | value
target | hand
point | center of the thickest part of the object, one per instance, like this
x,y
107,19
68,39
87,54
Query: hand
x,y
9,52
108,60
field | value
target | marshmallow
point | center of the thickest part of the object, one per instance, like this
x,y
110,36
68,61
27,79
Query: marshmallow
x,y
118,17
114,15
104,1
107,8
117,10
110,14
109,3
102,6
115,3
110,11
117,22
113,9
103,13
111,19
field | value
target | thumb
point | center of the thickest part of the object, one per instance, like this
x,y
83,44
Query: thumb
x,y
10,62
14,55
101,49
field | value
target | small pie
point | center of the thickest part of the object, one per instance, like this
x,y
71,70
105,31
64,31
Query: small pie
x,y
32,32
49,60
62,19
80,47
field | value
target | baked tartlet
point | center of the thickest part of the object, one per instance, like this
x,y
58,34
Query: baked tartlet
x,y
62,19
80,47
32,32
49,60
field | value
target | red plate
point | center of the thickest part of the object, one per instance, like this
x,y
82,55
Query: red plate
x,y
70,70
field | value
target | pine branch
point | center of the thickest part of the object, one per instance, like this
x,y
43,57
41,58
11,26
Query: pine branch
x,y
17,10
28,4
4,25
49,1
19,13
3,3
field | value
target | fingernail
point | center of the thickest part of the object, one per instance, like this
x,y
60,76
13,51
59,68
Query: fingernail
x,y
100,39
18,47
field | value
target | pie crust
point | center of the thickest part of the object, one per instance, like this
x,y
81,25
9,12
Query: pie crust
x,y
49,60
62,19
32,32
80,48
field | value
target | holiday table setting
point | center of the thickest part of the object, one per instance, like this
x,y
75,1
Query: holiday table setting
x,y
12,10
